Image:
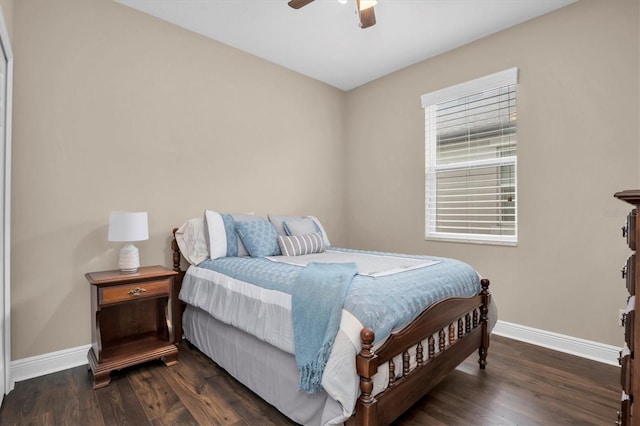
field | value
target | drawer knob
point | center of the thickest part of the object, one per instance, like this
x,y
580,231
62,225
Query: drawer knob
x,y
136,291
624,271
624,231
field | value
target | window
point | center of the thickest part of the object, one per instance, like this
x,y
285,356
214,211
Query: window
x,y
471,161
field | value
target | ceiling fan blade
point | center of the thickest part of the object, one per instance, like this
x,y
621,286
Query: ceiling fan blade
x,y
297,4
367,18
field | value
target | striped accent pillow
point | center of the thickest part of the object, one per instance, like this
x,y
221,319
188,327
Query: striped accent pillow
x,y
297,245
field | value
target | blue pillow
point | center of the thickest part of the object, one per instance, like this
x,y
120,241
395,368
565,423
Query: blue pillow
x,y
259,237
232,238
300,226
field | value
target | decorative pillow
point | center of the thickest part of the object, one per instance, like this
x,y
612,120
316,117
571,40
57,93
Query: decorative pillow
x,y
259,237
192,242
244,217
300,226
232,237
298,245
278,222
220,234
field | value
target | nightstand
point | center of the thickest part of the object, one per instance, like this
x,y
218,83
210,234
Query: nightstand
x,y
131,320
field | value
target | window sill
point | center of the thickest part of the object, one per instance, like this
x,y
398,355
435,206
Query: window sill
x,y
472,240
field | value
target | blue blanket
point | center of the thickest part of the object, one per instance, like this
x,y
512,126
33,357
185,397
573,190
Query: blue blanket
x,y
384,303
317,298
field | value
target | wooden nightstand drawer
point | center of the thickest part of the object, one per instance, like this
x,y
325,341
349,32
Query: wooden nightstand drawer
x,y
630,229
125,293
629,325
630,274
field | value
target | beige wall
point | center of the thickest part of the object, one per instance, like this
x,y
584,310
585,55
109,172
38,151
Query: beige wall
x,y
578,136
116,110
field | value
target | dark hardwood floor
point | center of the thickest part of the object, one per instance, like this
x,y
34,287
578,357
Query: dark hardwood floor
x,y
523,385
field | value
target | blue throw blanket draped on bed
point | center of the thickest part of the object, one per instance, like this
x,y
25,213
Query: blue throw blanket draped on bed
x,y
316,306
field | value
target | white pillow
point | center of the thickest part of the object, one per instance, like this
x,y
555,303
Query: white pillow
x,y
191,241
216,235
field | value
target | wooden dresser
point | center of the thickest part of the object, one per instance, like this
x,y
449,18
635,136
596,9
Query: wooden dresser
x,y
629,413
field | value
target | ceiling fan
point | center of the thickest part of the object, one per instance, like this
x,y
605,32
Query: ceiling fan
x,y
364,7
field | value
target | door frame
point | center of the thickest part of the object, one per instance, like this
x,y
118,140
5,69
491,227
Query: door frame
x,y
5,280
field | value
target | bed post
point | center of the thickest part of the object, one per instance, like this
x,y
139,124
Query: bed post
x,y
484,321
176,251
367,367
178,305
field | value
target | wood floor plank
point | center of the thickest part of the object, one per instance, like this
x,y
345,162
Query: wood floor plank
x,y
197,395
118,401
525,384
234,393
158,399
522,385
20,407
79,402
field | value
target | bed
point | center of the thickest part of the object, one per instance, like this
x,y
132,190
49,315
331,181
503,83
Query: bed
x,y
389,349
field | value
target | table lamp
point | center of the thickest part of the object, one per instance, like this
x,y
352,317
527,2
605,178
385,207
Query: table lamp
x,y
128,227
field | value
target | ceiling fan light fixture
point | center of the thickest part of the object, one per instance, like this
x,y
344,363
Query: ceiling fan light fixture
x,y
366,12
297,4
364,8
366,4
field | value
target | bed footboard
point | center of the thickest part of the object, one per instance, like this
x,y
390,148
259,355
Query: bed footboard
x,y
442,337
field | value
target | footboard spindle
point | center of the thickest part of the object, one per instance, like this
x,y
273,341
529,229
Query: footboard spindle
x,y
461,327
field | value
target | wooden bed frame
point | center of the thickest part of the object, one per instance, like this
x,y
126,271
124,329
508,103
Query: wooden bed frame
x,y
467,316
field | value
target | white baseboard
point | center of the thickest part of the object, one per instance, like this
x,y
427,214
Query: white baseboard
x,y
600,352
39,365
28,368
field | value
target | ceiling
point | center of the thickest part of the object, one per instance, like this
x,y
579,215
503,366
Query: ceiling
x,y
323,40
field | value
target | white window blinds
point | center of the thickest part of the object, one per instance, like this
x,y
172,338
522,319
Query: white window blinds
x,y
471,161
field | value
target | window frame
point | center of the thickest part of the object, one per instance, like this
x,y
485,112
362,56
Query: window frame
x,y
429,101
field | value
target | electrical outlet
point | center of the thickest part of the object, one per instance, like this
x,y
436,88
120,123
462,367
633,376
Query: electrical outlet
x,y
621,317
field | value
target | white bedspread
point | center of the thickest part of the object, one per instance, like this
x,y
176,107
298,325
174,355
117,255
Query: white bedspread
x,y
372,265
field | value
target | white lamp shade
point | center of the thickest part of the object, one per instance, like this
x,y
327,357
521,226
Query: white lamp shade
x,y
128,226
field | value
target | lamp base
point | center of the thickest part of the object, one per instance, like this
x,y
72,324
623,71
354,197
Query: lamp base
x,y
129,260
